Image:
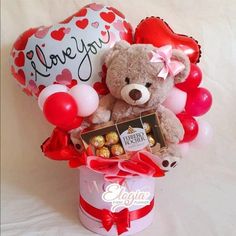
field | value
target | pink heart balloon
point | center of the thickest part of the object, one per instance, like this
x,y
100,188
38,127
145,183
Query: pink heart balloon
x,y
69,51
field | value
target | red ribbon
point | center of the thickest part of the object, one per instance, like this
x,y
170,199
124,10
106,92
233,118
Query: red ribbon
x,y
60,147
121,219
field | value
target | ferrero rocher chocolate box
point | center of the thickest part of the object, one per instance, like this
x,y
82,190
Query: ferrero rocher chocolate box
x,y
120,139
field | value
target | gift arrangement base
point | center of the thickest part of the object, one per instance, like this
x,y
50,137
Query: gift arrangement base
x,y
92,187
95,226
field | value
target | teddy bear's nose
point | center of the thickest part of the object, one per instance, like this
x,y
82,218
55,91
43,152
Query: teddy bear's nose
x,y
135,94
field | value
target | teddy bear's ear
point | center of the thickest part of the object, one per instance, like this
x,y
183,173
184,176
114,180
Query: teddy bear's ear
x,y
117,48
181,57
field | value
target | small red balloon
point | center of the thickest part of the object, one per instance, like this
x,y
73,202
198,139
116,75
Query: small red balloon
x,y
60,109
190,126
198,102
193,80
157,32
74,124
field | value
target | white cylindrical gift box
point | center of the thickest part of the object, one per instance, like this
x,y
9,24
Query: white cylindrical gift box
x,y
92,187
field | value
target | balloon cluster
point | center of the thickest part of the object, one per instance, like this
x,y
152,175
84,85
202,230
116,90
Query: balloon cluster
x,y
64,107
61,97
187,100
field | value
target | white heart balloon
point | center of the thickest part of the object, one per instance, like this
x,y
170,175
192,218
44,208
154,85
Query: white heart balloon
x,y
70,52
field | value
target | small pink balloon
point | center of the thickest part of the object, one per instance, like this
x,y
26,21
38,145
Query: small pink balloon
x,y
205,134
86,98
183,148
176,100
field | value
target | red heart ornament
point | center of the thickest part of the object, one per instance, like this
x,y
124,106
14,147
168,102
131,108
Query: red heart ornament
x,y
20,59
156,31
19,76
108,16
58,34
82,24
75,44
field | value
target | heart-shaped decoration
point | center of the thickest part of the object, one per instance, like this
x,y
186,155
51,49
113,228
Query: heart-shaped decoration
x,y
82,24
20,59
65,77
95,24
59,34
71,49
42,32
19,75
108,16
154,30
30,54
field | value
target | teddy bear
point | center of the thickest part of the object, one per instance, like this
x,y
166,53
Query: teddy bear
x,y
139,79
139,83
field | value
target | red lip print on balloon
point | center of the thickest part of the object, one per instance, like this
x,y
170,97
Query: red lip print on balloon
x,y
156,31
76,44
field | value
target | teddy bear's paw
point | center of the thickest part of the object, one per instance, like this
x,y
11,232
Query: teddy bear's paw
x,y
100,116
173,134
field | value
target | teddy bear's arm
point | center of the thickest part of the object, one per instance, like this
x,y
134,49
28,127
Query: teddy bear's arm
x,y
170,124
103,112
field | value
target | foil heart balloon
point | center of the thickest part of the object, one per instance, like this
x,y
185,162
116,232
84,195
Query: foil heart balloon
x,y
154,30
69,52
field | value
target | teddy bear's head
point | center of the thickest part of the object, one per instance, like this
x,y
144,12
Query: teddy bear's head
x,y
134,77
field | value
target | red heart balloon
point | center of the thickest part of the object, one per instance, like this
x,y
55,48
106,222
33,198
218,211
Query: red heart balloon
x,y
155,31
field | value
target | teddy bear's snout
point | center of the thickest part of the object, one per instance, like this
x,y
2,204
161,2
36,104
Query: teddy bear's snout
x,y
135,94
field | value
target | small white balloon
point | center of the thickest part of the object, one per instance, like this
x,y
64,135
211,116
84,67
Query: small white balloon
x,y
204,136
183,149
176,100
86,98
48,91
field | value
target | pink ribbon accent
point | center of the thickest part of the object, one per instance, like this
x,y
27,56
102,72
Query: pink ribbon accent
x,y
163,54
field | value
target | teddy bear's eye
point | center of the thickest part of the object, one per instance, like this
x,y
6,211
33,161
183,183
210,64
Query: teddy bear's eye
x,y
148,85
127,80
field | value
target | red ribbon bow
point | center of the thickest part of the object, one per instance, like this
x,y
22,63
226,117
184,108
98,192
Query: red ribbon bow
x,y
120,219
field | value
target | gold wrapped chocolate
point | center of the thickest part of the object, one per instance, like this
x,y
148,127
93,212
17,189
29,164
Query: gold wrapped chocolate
x,y
98,141
151,140
147,127
103,152
112,138
117,150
